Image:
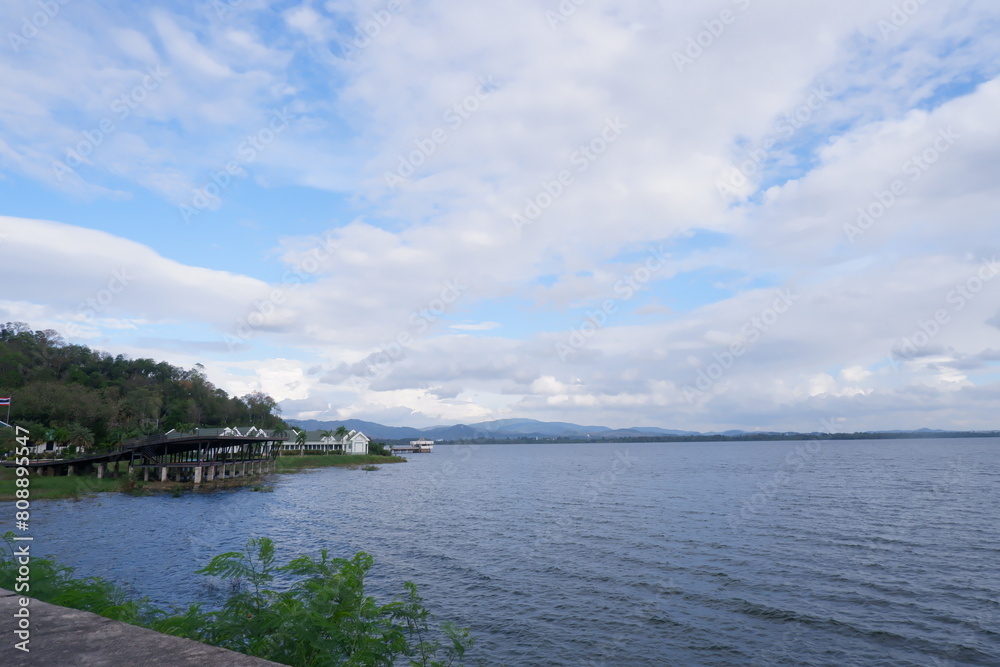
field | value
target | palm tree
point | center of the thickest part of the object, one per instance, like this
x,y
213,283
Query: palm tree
x,y
80,437
300,439
341,433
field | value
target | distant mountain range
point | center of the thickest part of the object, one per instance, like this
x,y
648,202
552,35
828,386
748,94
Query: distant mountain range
x,y
516,428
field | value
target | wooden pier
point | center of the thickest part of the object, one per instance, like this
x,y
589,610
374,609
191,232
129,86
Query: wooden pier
x,y
179,457
416,447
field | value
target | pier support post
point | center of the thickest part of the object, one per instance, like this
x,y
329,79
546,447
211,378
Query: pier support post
x,y
100,471
145,474
197,475
163,473
210,473
70,471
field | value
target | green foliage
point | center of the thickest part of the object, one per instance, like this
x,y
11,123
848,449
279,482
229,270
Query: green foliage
x,y
294,461
262,488
54,583
73,486
323,619
94,401
379,449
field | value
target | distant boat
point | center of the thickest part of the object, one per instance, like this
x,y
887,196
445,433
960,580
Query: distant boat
x,y
417,447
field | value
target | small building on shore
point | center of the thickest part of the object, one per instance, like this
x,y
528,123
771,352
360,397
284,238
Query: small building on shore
x,y
316,442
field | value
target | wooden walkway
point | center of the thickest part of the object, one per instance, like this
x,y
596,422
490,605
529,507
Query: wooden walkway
x,y
62,637
178,457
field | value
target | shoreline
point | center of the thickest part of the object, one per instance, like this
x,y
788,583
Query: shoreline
x,y
77,487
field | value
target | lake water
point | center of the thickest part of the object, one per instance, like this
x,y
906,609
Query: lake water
x,y
812,553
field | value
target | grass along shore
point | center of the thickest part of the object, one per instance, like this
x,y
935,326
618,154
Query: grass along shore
x,y
79,486
294,462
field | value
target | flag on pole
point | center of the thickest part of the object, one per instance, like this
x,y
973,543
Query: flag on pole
x,y
5,401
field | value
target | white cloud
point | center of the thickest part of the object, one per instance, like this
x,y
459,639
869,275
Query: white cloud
x,y
383,318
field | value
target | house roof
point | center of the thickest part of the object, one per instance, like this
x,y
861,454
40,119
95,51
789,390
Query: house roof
x,y
316,436
243,430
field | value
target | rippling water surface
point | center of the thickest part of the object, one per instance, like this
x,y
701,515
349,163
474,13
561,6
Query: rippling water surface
x,y
811,553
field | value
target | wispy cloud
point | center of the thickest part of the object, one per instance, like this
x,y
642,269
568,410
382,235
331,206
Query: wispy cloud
x,y
754,172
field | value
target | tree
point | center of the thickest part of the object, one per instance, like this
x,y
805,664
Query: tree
x,y
260,406
56,384
379,449
300,440
80,438
326,435
322,615
59,435
341,433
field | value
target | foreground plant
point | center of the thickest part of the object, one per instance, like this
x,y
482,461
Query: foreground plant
x,y
323,618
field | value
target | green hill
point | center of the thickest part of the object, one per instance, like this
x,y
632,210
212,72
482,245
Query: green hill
x,y
90,399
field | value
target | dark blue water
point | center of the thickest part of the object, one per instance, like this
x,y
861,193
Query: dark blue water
x,y
809,553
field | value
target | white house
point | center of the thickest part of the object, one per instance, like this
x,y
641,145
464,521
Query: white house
x,y
355,442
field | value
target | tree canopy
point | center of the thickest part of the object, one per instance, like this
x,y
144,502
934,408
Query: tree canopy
x,y
92,397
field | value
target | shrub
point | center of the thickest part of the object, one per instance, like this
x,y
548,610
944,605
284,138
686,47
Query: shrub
x,y
323,618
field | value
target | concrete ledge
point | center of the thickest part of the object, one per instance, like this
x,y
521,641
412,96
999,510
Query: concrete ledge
x,y
62,637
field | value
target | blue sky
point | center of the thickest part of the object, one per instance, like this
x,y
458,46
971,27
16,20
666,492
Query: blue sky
x,y
477,213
